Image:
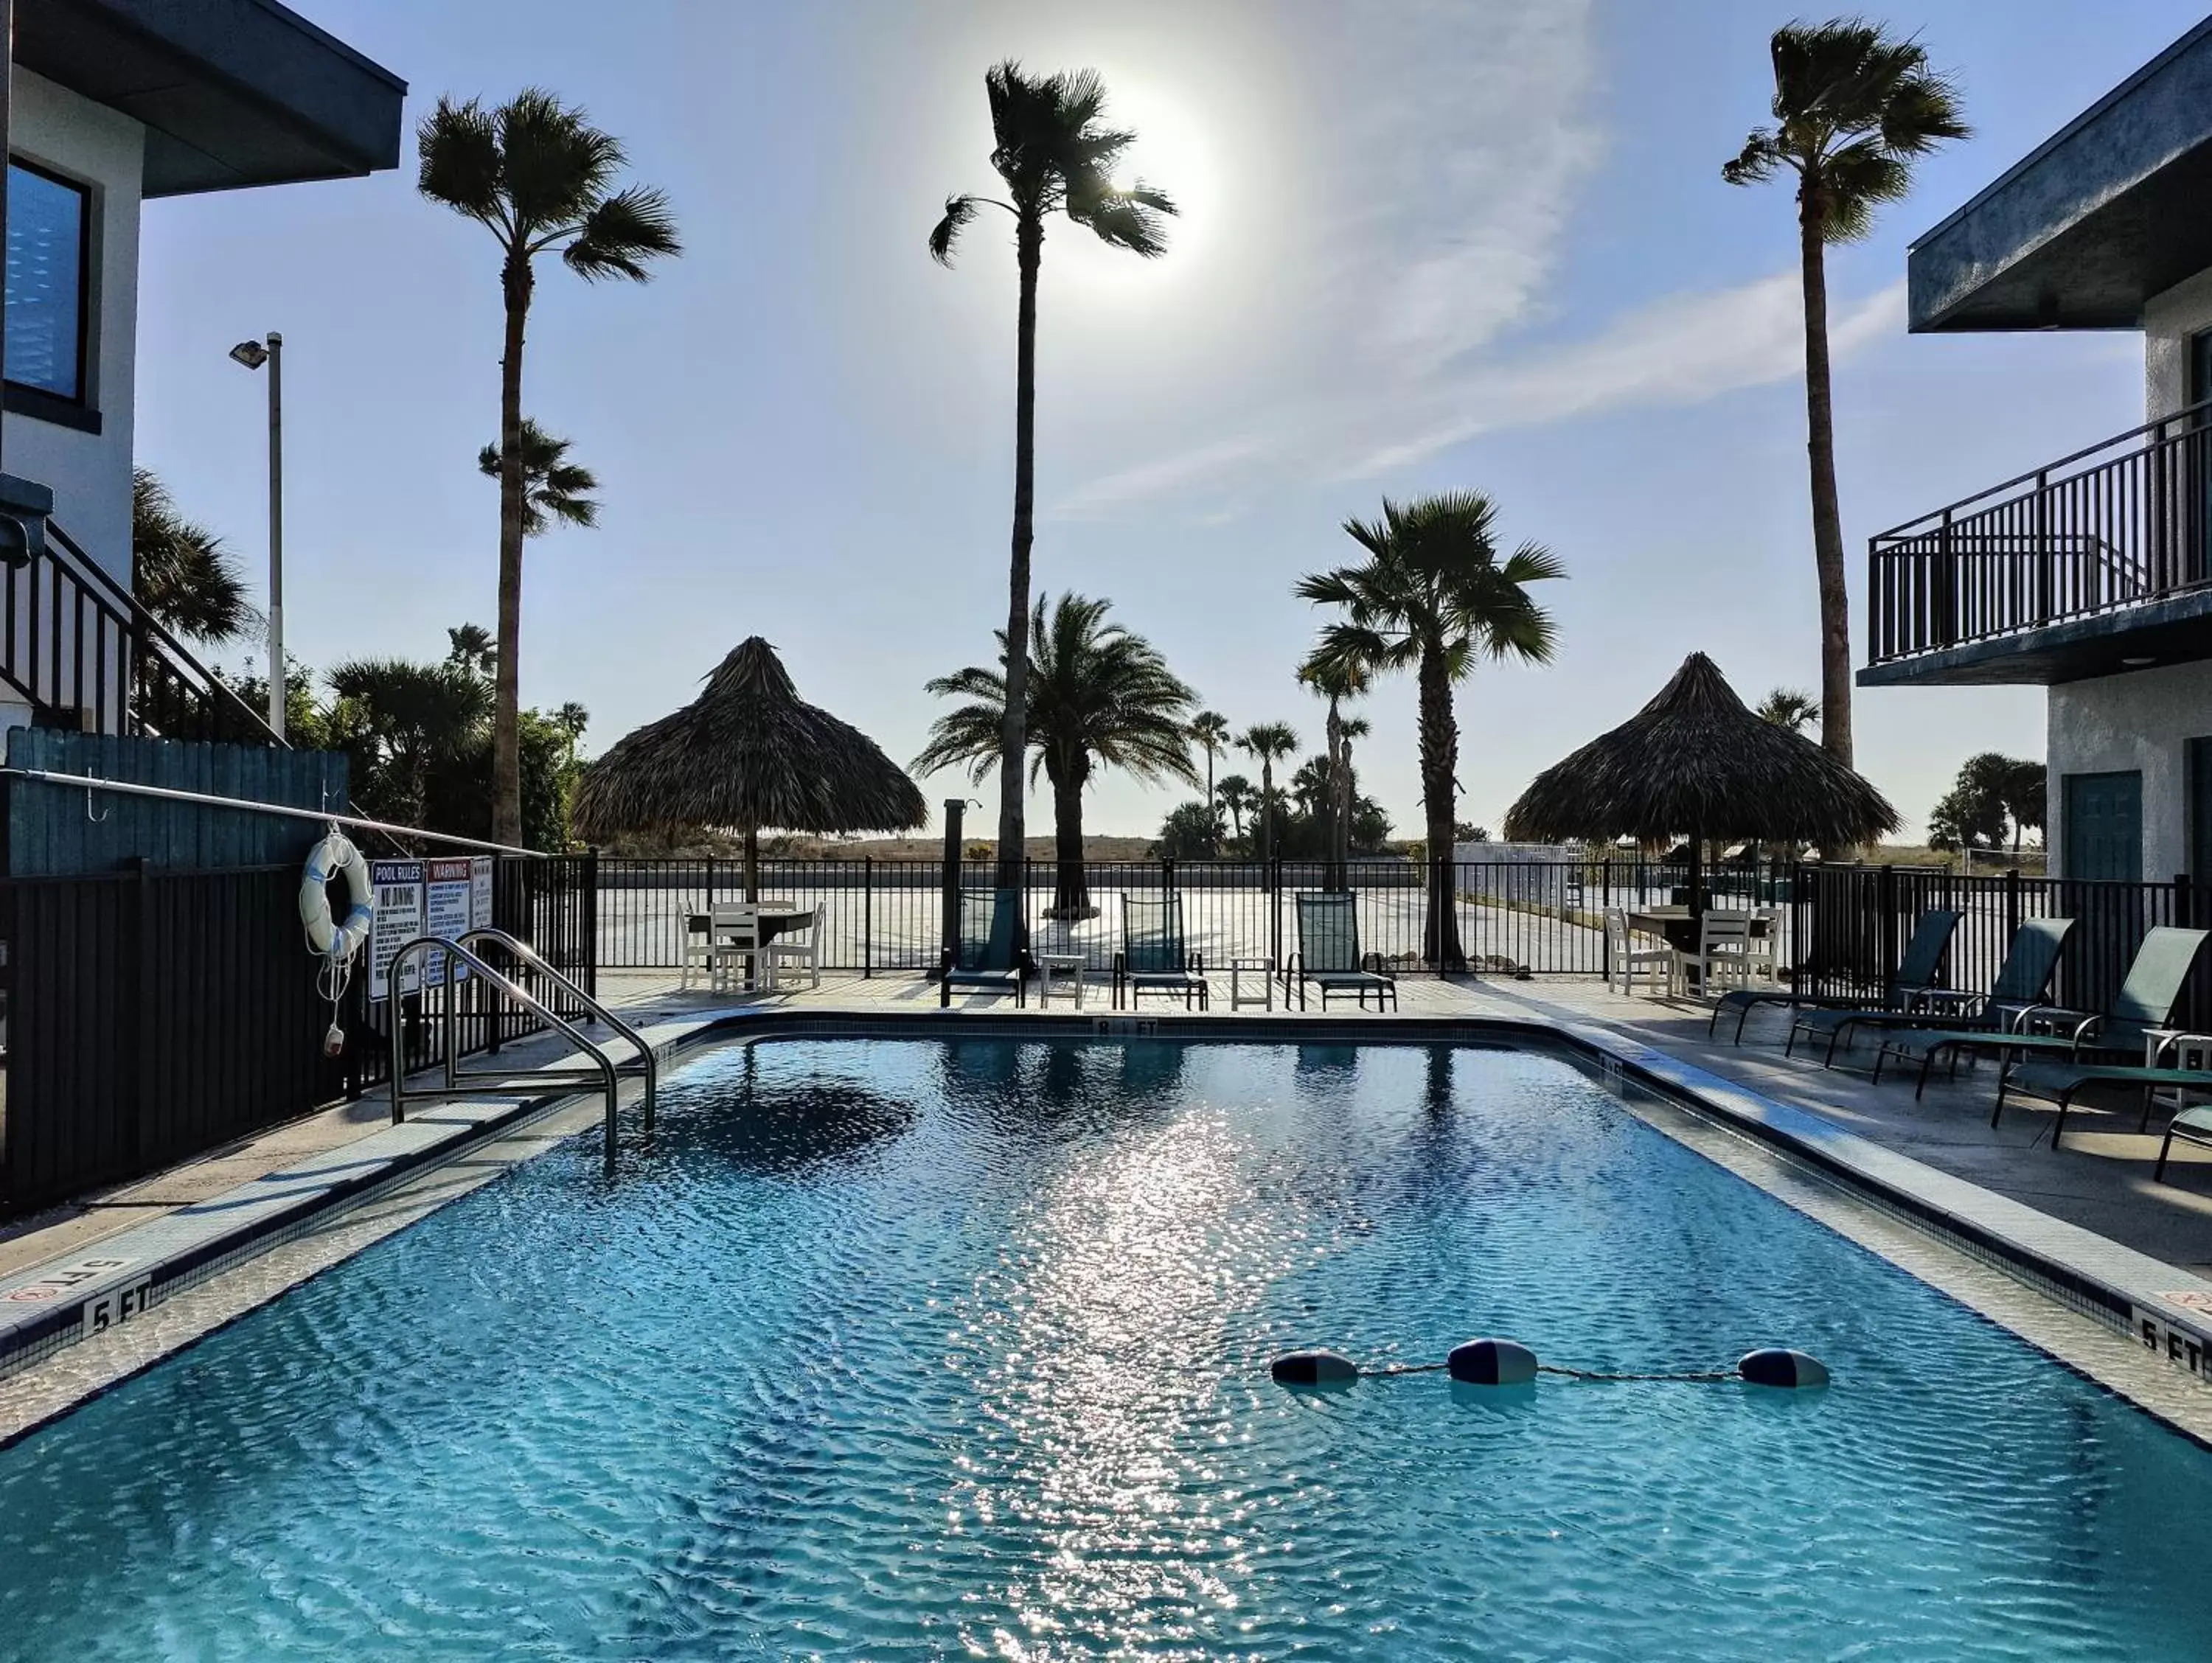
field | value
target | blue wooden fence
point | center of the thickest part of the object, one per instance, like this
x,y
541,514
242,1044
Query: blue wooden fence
x,y
55,831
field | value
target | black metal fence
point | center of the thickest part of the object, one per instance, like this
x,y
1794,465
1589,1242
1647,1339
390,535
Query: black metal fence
x,y
2125,521
1850,923
878,917
153,1015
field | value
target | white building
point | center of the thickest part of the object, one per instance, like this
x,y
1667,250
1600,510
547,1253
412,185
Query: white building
x,y
114,102
2091,575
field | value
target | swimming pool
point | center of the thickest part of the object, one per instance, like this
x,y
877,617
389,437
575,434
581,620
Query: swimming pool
x,y
959,1349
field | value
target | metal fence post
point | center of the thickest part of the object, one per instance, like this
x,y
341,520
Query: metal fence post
x,y
592,923
867,914
1886,929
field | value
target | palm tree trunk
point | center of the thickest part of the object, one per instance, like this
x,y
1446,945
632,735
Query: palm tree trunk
x,y
1071,895
1827,514
1013,735
1266,816
1439,764
1212,810
1334,819
507,687
1344,816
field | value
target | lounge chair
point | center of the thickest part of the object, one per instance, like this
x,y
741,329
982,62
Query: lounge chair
x,y
988,956
1328,955
1916,970
2145,1002
2191,1126
1154,956
2022,981
2060,1082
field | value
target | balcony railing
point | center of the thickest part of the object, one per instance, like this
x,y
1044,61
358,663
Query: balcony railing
x,y
2122,523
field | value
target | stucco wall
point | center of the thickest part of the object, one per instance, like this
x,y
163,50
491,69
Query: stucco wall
x,y
2142,720
89,473
2169,319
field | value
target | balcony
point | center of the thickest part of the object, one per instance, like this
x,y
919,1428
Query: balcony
x,y
2094,564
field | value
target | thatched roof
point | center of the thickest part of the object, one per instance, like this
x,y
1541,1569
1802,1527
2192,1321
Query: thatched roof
x,y
747,753
1694,762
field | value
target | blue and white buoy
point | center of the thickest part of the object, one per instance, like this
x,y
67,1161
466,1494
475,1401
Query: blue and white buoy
x,y
1776,1366
1314,1368
1493,1362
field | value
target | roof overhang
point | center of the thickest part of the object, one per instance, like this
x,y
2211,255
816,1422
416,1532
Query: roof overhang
x,y
2177,630
232,92
2101,217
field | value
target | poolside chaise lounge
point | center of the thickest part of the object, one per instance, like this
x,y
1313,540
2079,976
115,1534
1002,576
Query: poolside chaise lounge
x,y
2145,1003
2022,980
1328,954
2061,1082
1916,969
988,956
1154,956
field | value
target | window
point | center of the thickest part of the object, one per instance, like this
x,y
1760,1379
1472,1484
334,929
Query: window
x,y
48,219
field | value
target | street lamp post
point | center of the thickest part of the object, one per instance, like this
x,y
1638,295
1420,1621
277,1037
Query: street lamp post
x,y
254,354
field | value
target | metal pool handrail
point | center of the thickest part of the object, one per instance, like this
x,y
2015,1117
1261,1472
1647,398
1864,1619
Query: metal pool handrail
x,y
459,1082
530,955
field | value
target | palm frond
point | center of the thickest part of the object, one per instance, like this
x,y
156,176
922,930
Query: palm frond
x,y
459,148
555,166
621,233
958,211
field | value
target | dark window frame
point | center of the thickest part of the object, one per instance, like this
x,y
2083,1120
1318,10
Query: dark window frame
x,y
43,402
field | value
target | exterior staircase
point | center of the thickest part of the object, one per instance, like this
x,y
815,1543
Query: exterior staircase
x,y
84,653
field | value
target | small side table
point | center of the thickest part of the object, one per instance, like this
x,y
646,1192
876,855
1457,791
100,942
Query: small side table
x,y
1241,968
1069,965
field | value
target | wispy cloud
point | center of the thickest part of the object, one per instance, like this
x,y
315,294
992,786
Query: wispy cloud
x,y
1458,141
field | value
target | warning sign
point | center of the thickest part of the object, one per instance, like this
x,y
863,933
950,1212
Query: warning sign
x,y
414,898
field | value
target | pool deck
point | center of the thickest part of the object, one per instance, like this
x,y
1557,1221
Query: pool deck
x,y
2100,1181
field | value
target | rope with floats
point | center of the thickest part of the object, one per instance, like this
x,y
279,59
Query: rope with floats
x,y
1509,1363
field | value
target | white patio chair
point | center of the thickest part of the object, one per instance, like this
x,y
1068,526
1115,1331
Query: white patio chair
x,y
795,943
1759,946
735,935
1722,958
1623,958
698,953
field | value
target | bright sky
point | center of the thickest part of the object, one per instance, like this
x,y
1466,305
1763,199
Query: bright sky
x,y
1461,244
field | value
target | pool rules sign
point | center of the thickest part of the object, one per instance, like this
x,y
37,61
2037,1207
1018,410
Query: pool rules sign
x,y
423,898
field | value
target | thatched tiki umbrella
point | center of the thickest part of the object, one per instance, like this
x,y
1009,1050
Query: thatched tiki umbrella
x,y
746,753
1694,762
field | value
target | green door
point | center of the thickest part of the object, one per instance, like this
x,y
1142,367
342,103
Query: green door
x,y
2104,827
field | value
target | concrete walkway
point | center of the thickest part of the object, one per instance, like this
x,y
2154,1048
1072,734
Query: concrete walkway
x,y
2100,1181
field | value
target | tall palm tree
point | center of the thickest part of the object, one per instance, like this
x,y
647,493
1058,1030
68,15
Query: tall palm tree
x,y
1099,696
1236,793
540,178
1853,109
1337,679
554,490
180,572
1052,148
1790,707
1348,728
1433,596
1268,744
1209,730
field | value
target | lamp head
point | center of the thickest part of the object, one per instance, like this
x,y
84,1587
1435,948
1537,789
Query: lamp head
x,y
251,353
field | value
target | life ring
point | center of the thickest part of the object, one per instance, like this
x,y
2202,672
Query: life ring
x,y
336,856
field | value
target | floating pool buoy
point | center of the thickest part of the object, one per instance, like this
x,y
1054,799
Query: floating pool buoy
x,y
1776,1367
1313,1369
1493,1362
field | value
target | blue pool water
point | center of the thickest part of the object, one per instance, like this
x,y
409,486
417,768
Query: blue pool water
x,y
959,1349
